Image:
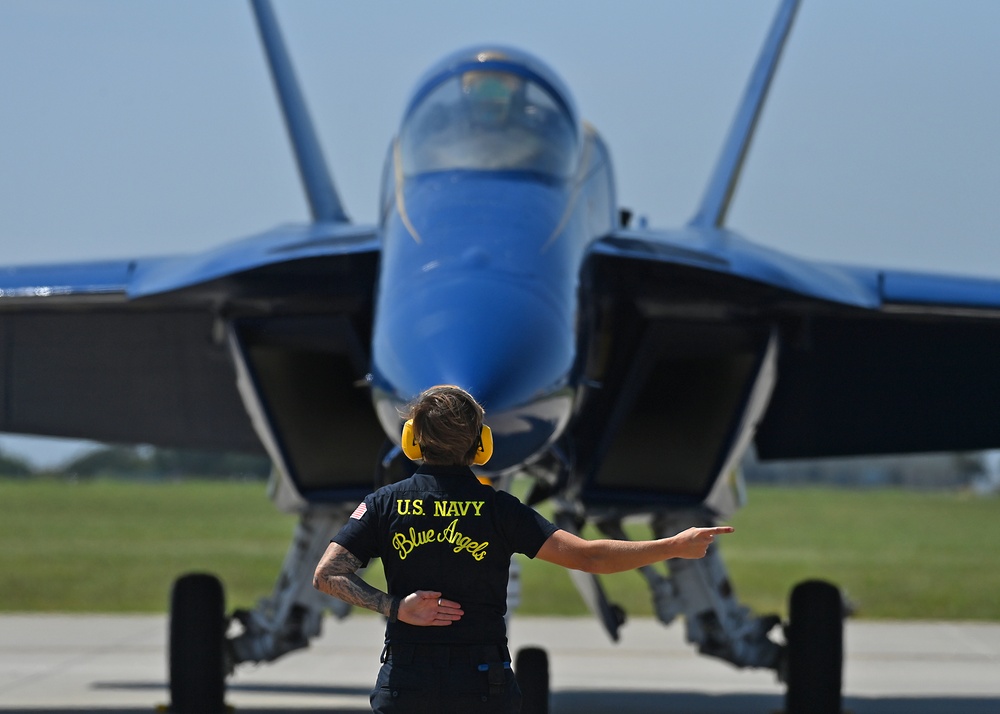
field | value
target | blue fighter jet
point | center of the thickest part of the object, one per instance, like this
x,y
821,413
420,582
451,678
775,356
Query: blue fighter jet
x,y
625,370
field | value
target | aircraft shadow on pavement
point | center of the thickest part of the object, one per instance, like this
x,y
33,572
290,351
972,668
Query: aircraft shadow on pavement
x,y
572,702
594,702
262,687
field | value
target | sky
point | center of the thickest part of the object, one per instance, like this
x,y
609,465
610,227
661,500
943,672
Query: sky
x,y
132,129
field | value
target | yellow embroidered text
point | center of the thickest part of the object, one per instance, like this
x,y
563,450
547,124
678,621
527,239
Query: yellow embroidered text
x,y
404,543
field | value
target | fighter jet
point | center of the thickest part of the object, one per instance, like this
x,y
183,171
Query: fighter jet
x,y
626,370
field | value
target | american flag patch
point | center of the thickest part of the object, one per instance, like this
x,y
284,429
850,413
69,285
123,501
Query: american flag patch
x,y
359,511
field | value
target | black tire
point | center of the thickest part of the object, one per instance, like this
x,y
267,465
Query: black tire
x,y
815,636
531,668
197,645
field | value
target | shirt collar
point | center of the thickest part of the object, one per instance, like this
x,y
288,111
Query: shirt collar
x,y
439,470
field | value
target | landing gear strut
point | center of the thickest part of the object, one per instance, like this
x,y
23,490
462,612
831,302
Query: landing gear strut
x,y
810,663
202,650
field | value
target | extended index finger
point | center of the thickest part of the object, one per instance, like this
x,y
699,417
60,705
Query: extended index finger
x,y
718,530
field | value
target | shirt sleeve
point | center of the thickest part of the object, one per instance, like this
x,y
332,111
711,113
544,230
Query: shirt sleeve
x,y
525,528
360,534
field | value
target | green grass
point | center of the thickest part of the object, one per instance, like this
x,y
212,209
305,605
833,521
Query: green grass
x,y
897,554
116,546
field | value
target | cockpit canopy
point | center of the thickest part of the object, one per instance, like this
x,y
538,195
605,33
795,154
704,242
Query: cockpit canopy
x,y
489,114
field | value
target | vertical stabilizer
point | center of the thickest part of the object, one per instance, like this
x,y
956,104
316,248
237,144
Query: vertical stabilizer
x,y
715,202
324,202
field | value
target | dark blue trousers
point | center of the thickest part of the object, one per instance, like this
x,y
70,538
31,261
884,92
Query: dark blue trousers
x,y
443,680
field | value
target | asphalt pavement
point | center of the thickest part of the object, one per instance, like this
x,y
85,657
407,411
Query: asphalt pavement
x,y
94,663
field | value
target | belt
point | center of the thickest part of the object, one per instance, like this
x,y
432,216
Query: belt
x,y
445,655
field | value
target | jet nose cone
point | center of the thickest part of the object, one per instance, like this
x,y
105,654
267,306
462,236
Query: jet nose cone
x,y
505,345
508,345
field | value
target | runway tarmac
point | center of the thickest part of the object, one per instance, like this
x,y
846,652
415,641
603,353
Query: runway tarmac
x,y
81,664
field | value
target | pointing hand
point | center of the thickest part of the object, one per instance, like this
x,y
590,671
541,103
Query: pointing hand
x,y
694,542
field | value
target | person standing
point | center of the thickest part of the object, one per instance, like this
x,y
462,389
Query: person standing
x,y
445,541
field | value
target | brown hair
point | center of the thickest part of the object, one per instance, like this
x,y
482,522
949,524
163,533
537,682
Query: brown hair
x,y
447,422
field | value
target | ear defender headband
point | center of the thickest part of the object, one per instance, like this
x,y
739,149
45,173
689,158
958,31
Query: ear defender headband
x,y
412,449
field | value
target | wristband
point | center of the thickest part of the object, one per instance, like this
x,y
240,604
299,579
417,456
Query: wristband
x,y
394,610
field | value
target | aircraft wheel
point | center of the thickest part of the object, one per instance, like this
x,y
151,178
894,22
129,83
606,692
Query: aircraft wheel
x,y
531,667
815,636
197,645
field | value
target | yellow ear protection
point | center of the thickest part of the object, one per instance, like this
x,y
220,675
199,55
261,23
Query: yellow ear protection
x,y
412,449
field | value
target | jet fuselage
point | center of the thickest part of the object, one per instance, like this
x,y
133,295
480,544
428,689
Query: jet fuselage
x,y
493,192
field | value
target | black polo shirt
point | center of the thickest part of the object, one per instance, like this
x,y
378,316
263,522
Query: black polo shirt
x,y
443,530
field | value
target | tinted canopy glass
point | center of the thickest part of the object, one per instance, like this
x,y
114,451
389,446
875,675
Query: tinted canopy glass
x,y
488,120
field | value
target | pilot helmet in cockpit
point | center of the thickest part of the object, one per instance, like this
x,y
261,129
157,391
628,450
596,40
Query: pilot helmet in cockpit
x,y
492,98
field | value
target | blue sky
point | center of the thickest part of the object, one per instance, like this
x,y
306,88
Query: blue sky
x,y
139,128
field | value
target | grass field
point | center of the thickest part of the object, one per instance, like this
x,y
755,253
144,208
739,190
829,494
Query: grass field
x,y
116,546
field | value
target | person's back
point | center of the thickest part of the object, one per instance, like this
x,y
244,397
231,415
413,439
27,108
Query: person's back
x,y
445,541
443,530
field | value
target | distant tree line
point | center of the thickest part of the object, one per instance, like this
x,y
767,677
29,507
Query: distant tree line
x,y
920,471
11,465
145,462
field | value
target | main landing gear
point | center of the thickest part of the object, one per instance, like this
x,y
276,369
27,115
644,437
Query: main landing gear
x,y
198,665
809,662
814,653
203,652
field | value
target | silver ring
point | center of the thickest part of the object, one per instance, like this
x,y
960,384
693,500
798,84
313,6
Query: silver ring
x,y
439,602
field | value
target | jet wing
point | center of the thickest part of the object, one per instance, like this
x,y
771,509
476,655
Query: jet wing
x,y
920,373
871,361
724,256
135,351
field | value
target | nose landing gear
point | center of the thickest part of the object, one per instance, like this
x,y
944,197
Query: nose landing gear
x,y
531,667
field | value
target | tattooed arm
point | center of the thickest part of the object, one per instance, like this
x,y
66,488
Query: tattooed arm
x,y
336,575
